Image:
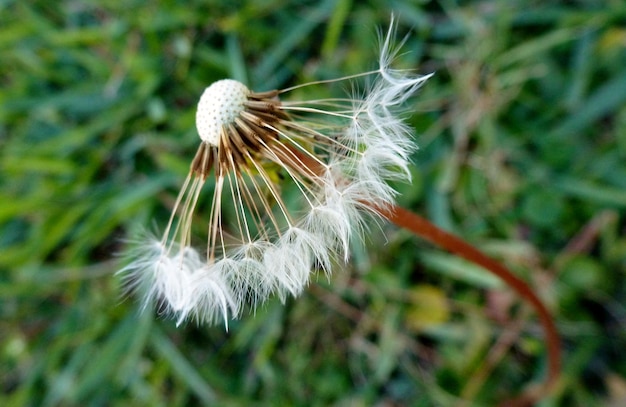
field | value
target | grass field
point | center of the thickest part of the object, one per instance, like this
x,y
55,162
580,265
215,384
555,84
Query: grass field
x,y
522,135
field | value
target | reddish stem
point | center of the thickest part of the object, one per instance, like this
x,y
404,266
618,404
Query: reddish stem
x,y
424,228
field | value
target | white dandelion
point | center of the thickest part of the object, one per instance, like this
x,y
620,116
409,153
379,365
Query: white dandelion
x,y
336,154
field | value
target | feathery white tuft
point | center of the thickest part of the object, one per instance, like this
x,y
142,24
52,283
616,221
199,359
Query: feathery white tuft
x,y
182,284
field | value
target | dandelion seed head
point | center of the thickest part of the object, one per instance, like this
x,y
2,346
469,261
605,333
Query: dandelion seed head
x,y
299,180
219,105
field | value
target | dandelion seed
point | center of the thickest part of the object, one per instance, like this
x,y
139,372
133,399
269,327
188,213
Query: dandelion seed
x,y
337,154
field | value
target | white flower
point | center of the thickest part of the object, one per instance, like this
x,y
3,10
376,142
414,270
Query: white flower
x,y
337,154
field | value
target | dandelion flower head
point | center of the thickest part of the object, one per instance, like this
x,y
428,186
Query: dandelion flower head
x,y
338,154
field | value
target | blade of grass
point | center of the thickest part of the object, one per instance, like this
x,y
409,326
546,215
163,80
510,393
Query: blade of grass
x,y
606,99
181,367
297,32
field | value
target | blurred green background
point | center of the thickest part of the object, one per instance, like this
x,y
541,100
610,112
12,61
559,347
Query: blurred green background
x,y
522,135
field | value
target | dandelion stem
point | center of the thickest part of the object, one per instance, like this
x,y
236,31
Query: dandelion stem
x,y
424,228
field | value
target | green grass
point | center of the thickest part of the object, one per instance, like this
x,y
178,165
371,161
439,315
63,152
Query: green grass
x,y
522,135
